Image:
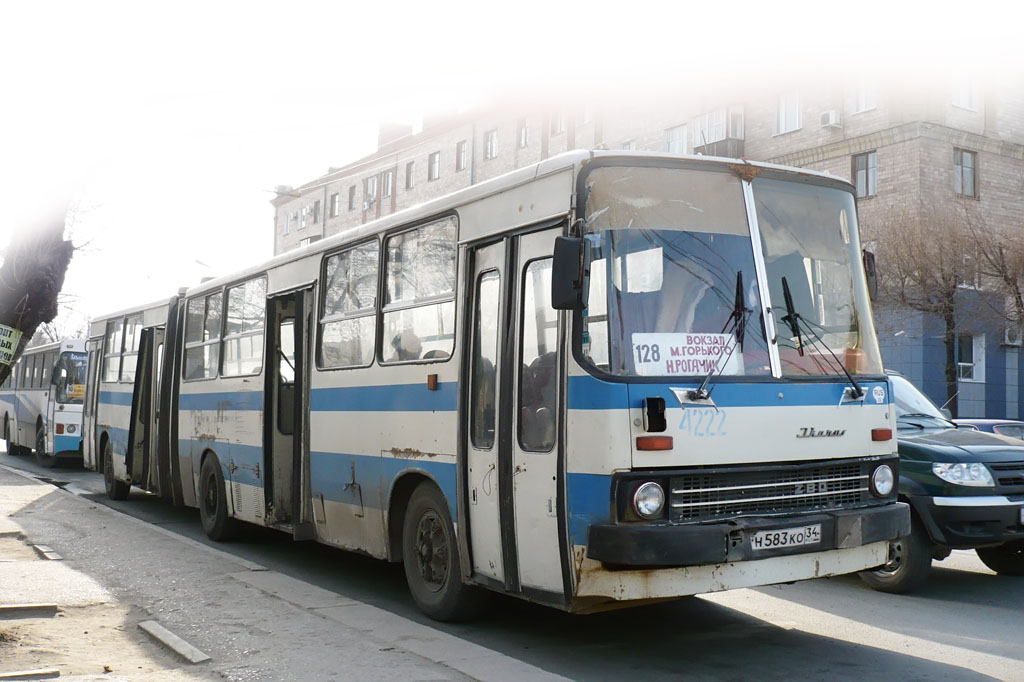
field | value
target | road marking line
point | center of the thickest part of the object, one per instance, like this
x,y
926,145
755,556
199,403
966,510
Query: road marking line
x,y
173,642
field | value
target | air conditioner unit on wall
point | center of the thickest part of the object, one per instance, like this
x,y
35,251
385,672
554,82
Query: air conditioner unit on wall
x,y
830,119
1012,335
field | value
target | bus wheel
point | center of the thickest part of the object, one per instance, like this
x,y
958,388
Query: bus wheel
x,y
12,448
213,505
43,459
116,490
431,557
1005,559
910,560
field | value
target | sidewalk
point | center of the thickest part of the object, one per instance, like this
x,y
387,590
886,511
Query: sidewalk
x,y
109,572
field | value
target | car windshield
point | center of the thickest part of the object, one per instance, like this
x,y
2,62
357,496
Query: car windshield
x,y
910,403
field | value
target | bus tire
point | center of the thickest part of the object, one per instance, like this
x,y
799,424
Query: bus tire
x,y
430,554
43,459
116,490
910,560
213,503
1005,559
12,449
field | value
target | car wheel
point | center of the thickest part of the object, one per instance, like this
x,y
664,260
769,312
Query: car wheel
x,y
213,503
910,560
1005,559
116,490
43,459
430,554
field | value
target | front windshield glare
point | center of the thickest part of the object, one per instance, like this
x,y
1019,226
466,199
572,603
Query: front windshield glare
x,y
809,238
673,290
909,400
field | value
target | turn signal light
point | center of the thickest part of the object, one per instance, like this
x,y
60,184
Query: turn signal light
x,y
654,442
881,434
60,429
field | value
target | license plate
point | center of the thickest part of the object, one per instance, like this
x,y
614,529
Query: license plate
x,y
786,537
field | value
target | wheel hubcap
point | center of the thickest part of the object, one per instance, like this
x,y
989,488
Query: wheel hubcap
x,y
895,556
432,551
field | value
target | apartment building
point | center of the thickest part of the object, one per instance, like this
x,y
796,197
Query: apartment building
x,y
914,148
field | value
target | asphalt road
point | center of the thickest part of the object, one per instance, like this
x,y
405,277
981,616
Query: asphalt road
x,y
966,624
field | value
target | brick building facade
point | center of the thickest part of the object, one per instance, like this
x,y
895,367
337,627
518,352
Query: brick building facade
x,y
948,144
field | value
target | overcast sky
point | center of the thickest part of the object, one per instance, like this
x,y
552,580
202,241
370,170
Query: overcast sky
x,y
167,125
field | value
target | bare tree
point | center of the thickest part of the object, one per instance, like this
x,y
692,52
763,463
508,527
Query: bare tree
x,y
31,279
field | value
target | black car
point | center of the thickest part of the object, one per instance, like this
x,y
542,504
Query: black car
x,y
965,488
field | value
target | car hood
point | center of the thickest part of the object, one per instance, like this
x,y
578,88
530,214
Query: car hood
x,y
958,445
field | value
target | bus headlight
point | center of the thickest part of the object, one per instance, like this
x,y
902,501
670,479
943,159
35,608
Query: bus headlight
x,y
973,474
72,428
648,500
882,480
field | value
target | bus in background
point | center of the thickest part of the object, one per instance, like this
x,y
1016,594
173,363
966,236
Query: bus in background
x,y
41,402
607,378
123,405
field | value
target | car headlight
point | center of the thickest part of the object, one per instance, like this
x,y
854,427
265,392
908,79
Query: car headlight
x,y
648,500
973,474
882,480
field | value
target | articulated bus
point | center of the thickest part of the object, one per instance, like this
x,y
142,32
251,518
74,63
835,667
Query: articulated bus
x,y
604,379
41,402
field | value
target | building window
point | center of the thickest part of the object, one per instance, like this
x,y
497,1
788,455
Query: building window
x,y
335,204
410,175
587,115
629,146
491,144
294,219
965,168
371,191
965,94
316,211
522,134
865,174
351,197
970,357
434,166
864,96
389,181
460,156
557,123
304,218
709,127
675,140
284,225
788,118
305,242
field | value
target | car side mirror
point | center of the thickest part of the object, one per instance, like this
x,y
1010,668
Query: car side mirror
x,y
570,273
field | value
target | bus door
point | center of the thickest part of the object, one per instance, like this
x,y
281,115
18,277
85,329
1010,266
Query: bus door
x,y
513,279
142,452
90,404
285,419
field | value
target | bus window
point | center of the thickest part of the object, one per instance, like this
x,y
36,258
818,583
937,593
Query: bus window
x,y
71,386
243,335
112,349
132,339
202,336
419,311
538,378
485,360
348,326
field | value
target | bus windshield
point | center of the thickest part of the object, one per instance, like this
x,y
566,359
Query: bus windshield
x,y
71,388
673,288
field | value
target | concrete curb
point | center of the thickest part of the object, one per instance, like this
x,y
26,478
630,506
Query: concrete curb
x,y
40,674
173,642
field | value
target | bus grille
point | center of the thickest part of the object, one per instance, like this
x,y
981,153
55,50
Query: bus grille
x,y
711,495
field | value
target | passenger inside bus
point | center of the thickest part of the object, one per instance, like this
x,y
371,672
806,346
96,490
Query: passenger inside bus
x,y
406,345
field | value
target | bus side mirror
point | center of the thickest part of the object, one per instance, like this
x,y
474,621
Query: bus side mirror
x,y
570,273
871,273
57,375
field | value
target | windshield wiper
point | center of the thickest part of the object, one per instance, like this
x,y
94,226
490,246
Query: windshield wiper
x,y
793,319
738,322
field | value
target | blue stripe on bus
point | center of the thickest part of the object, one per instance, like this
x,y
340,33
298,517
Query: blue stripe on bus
x,y
226,401
387,398
244,458
116,397
590,502
589,393
64,443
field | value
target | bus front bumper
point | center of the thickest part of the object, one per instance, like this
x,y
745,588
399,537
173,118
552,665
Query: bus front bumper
x,y
663,546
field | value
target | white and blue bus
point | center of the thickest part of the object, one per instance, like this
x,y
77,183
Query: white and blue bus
x,y
41,402
606,378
